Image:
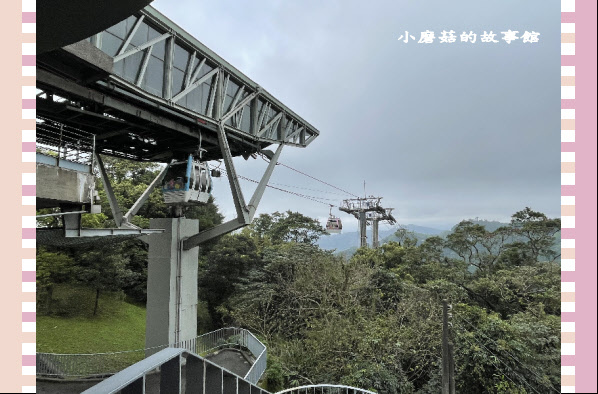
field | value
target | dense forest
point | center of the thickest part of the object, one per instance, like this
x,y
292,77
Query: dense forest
x,y
373,320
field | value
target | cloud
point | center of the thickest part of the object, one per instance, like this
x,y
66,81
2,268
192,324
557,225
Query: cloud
x,y
443,131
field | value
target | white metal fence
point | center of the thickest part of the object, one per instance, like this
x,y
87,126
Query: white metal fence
x,y
231,337
325,389
91,365
105,364
200,376
259,351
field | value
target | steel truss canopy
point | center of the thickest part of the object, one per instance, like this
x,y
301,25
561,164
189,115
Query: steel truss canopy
x,y
149,90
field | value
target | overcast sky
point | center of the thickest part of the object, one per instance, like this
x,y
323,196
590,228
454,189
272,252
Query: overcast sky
x,y
443,132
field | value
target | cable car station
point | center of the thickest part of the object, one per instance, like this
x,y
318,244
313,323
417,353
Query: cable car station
x,y
146,90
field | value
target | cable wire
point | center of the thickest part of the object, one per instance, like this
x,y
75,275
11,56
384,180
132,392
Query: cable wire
x,y
312,198
309,176
305,188
495,356
508,353
500,369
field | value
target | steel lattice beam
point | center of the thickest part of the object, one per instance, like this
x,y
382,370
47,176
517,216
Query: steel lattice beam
x,y
147,60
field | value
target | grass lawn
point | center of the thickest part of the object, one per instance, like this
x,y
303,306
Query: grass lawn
x,y
71,328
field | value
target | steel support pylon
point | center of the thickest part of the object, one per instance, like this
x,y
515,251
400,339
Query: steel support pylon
x,y
363,230
375,240
368,210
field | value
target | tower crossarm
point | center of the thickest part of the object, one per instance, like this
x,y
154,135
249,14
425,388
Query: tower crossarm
x,y
370,206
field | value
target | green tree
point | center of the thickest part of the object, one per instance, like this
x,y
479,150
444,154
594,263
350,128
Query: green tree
x,y
48,221
224,268
52,268
519,355
287,227
515,289
477,246
102,269
375,321
538,232
135,255
406,237
129,179
296,284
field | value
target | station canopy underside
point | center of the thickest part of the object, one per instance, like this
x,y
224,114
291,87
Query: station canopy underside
x,y
147,89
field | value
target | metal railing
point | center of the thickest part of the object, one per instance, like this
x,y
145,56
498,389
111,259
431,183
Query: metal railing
x,y
129,368
64,142
232,336
325,389
218,339
93,365
198,376
259,365
104,364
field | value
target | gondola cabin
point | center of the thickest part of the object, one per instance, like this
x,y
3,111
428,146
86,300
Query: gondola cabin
x,y
187,183
334,225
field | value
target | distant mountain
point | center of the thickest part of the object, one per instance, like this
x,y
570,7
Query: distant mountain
x,y
423,230
341,241
419,236
347,243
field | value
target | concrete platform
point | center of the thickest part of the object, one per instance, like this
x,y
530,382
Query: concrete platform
x,y
231,359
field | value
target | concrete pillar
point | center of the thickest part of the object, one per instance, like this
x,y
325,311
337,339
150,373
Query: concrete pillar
x,y
363,230
171,284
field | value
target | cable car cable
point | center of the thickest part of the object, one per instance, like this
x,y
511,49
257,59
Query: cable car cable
x,y
309,176
497,366
305,188
56,124
312,198
539,379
